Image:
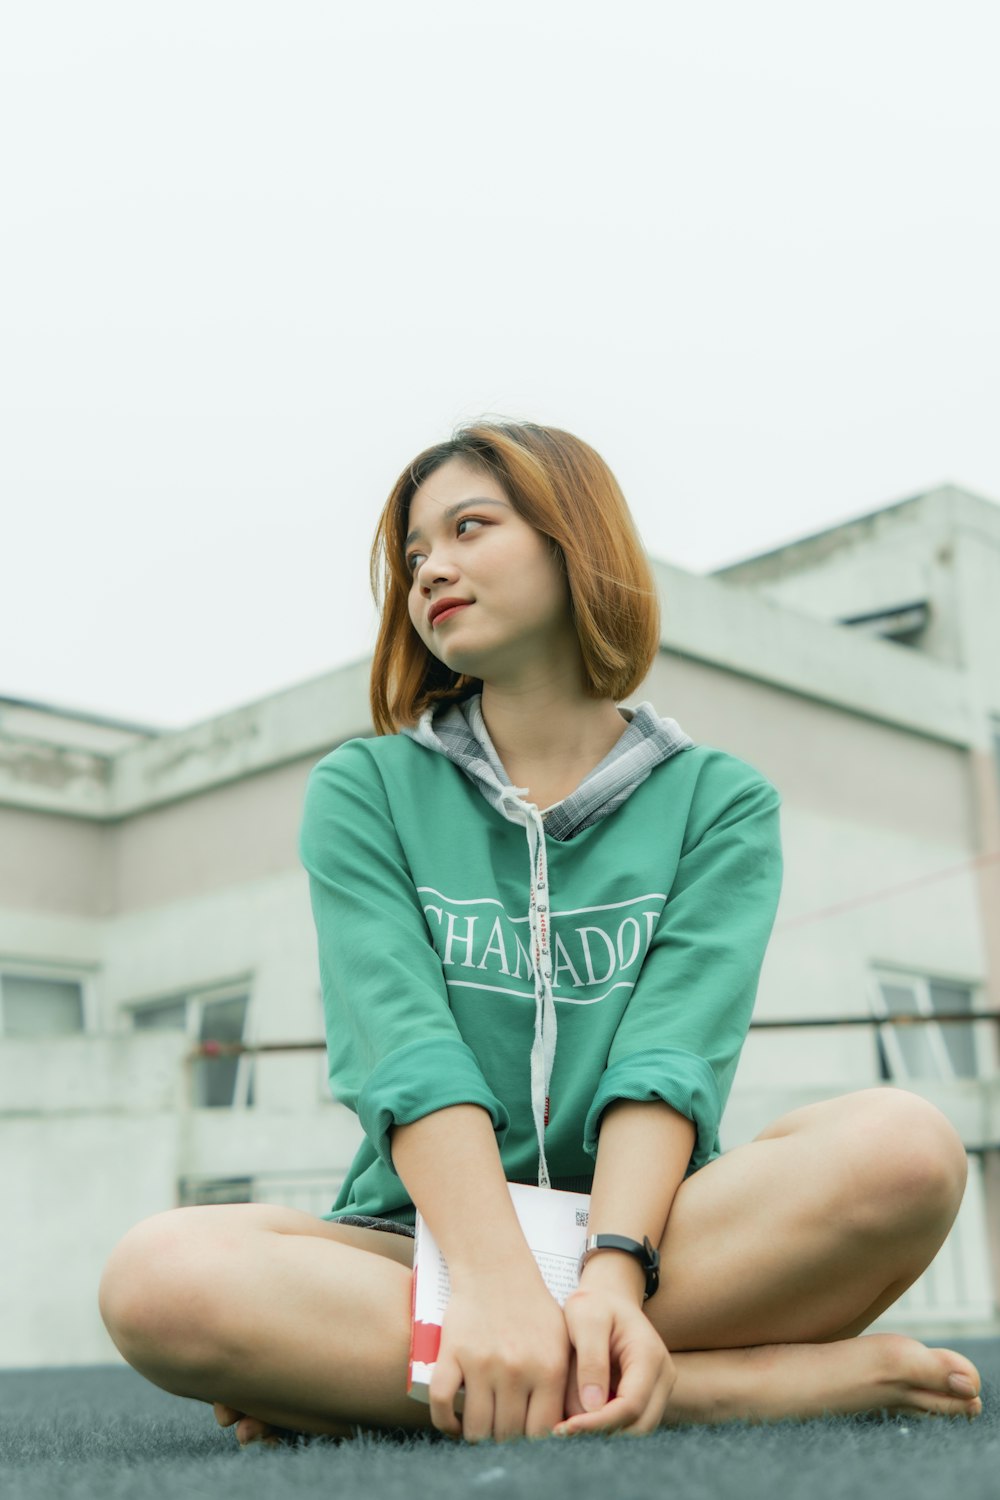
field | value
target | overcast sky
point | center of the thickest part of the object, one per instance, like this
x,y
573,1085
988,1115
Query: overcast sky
x,y
256,256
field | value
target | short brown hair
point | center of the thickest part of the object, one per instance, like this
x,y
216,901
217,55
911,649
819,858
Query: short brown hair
x,y
563,488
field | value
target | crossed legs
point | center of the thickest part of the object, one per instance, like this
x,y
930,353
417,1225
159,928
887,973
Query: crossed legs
x,y
774,1257
795,1243
814,1228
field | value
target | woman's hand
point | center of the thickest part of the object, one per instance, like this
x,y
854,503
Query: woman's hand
x,y
622,1374
504,1338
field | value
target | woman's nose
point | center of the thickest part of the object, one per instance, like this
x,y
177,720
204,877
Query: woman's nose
x,y
429,573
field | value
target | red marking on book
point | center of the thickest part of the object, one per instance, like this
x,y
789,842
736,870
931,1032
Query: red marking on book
x,y
413,1308
425,1343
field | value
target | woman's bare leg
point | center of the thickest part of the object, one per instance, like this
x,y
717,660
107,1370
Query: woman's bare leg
x,y
251,1429
269,1311
774,1258
777,1255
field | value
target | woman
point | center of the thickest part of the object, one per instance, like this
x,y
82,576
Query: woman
x,y
499,740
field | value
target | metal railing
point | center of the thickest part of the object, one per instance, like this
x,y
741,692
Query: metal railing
x,y
906,1018
213,1050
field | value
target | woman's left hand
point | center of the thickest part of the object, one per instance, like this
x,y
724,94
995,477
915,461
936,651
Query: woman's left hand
x,y
610,1334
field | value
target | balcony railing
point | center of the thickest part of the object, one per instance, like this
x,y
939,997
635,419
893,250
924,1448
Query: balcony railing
x,y
904,1018
209,1050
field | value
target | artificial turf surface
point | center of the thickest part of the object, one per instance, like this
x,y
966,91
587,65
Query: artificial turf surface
x,y
100,1433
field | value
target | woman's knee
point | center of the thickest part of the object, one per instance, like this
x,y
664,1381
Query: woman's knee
x,y
907,1158
155,1292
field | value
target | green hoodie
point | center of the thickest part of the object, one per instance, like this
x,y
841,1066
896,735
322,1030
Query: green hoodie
x,y
455,931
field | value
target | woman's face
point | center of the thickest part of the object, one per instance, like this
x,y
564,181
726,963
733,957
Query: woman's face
x,y
519,610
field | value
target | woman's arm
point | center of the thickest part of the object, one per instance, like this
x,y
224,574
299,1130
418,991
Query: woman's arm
x,y
450,1165
395,1049
642,1154
504,1335
688,1014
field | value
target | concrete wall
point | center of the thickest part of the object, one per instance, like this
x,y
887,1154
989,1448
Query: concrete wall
x,y
96,1136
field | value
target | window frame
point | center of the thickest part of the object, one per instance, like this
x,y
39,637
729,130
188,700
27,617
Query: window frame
x,y
887,1033
196,1001
60,974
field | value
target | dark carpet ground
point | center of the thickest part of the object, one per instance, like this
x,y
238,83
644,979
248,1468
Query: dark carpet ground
x,y
104,1433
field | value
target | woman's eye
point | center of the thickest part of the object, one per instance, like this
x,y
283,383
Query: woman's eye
x,y
411,560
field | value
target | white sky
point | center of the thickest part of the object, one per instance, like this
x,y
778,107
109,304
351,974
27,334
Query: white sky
x,y
255,256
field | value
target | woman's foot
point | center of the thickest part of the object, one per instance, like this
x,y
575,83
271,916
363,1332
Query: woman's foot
x,y
876,1372
255,1430
248,1429
872,1373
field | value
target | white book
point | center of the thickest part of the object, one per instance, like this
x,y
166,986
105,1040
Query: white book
x,y
555,1227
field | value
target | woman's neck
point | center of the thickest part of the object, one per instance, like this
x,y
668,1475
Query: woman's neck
x,y
556,739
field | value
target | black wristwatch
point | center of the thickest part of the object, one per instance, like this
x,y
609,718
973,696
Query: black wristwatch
x,y
647,1257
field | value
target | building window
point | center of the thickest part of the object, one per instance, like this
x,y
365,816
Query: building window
x,y
171,1015
225,1082
927,1049
903,623
194,1190
32,1006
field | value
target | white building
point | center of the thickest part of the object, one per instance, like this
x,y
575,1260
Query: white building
x,y
151,898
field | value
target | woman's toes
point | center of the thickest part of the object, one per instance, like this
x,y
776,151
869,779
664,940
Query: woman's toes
x,y
931,1382
961,1376
941,1371
248,1429
942,1404
252,1430
954,1408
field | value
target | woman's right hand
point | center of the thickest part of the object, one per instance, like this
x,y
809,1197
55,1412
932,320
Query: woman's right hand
x,y
505,1339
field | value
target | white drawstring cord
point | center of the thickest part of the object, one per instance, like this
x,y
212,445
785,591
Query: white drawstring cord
x,y
543,1050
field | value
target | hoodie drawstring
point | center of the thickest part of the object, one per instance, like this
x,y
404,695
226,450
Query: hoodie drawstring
x,y
543,1050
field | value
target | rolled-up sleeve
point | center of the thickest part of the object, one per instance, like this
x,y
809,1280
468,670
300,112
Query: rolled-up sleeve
x,y
394,1048
687,1018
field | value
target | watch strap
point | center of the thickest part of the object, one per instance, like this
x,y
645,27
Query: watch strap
x,y
645,1254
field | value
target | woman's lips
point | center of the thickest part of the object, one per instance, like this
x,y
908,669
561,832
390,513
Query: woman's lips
x,y
445,613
